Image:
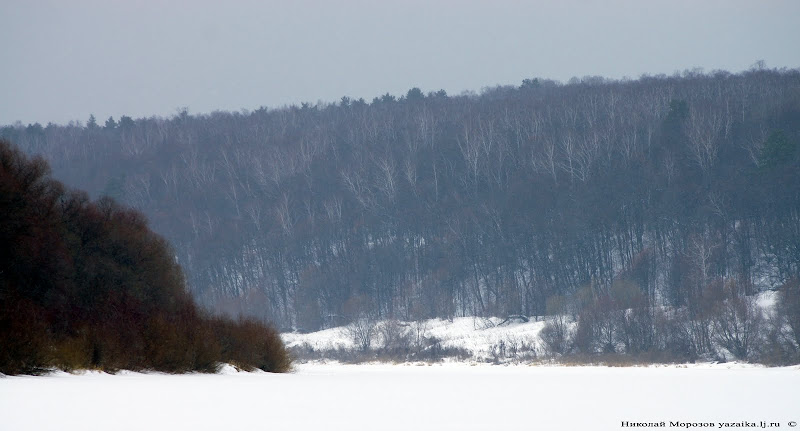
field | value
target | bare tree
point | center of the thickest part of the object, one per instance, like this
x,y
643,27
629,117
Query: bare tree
x,y
362,331
703,129
386,180
284,213
788,314
737,326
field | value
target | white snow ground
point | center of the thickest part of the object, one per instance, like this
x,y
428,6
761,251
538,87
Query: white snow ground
x,y
451,396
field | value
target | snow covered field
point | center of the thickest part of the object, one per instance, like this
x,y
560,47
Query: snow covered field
x,y
481,337
476,335
454,396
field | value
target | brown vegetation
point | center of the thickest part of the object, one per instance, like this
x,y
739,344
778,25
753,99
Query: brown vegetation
x,y
87,285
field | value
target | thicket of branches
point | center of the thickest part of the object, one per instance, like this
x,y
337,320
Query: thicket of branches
x,y
723,324
437,206
87,285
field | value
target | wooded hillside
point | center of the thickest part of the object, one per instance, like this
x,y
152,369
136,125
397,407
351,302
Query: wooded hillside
x,y
439,205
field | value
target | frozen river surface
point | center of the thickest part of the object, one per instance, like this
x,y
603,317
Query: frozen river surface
x,y
454,396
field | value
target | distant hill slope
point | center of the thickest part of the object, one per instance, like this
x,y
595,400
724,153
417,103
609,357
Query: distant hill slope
x,y
87,285
438,206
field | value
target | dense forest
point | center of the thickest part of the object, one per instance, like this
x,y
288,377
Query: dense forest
x,y
670,188
87,285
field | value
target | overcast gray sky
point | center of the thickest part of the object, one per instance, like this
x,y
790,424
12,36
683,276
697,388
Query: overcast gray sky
x,y
62,60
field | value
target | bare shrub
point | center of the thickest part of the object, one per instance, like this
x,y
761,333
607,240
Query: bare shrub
x,y
362,331
634,323
418,335
788,312
733,322
498,351
395,337
433,350
585,337
672,337
512,348
556,336
737,326
782,329
605,324
519,347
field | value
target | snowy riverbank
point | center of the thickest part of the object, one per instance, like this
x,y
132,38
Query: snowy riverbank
x,y
455,396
